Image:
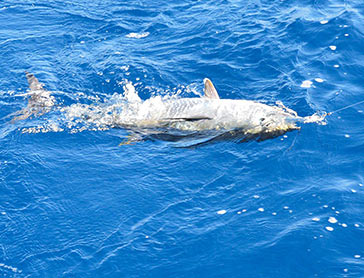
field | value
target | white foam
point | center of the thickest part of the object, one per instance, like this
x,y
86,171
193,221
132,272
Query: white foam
x,y
13,269
306,84
125,68
137,35
222,211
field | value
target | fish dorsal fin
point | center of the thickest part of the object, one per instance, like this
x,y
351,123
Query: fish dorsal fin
x,y
209,90
34,84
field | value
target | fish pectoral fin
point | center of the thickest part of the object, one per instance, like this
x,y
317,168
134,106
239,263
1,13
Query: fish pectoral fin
x,y
209,90
187,119
131,140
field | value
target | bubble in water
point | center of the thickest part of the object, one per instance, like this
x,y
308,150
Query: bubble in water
x,y
306,84
319,80
332,220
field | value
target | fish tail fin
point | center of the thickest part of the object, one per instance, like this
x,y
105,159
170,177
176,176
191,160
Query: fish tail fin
x,y
34,84
39,102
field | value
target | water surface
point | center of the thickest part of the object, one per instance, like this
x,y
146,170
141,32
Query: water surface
x,y
74,203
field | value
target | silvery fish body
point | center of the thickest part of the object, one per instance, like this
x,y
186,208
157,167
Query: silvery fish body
x,y
209,113
198,114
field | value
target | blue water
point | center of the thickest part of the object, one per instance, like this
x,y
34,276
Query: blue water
x,y
74,203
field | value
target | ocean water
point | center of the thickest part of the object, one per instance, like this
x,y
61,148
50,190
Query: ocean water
x,y
74,202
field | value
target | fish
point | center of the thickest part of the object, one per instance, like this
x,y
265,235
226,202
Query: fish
x,y
209,114
200,119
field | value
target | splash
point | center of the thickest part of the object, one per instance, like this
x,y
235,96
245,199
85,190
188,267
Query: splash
x,y
318,118
103,114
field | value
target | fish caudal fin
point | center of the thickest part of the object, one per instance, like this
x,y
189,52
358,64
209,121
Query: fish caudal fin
x,y
209,90
39,102
34,84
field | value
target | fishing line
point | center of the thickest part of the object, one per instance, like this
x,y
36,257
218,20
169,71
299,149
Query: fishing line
x,y
343,108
